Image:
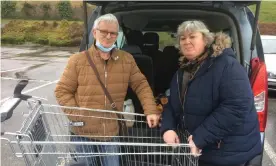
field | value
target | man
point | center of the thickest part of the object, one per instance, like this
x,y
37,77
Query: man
x,y
79,87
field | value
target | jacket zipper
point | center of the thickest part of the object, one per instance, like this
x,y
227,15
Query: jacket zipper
x,y
177,79
184,96
105,76
182,104
104,129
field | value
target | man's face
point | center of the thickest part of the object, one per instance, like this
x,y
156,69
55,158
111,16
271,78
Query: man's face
x,y
106,33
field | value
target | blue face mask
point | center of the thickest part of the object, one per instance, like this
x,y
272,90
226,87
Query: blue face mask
x,y
104,49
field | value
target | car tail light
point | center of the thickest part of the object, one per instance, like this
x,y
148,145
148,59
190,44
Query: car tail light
x,y
258,82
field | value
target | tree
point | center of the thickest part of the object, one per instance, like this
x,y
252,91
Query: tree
x,y
8,8
65,9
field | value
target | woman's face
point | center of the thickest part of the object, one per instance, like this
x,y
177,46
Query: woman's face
x,y
192,44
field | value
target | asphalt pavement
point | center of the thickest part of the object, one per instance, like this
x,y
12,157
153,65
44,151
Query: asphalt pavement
x,y
44,66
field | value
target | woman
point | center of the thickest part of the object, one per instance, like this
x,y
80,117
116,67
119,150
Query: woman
x,y
211,97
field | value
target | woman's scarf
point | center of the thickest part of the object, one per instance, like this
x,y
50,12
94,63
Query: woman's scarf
x,y
192,66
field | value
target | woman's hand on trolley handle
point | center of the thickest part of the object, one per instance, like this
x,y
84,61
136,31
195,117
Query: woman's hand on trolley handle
x,y
194,150
171,138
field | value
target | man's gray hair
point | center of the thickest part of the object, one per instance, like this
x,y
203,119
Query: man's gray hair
x,y
194,26
108,18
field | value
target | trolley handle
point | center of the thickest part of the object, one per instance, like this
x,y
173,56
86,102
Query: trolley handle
x,y
6,110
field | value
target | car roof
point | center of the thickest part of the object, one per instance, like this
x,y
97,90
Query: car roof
x,y
268,37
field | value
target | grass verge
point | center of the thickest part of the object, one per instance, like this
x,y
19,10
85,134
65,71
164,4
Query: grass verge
x,y
54,33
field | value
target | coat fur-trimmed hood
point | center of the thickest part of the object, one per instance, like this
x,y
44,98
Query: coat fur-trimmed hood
x,y
221,42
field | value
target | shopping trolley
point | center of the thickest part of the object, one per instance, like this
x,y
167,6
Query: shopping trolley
x,y
48,137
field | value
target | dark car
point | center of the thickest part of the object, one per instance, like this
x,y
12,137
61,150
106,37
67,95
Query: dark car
x,y
158,22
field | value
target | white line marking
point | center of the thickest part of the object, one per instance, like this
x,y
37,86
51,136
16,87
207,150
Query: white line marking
x,y
33,89
41,86
3,100
15,69
30,80
270,152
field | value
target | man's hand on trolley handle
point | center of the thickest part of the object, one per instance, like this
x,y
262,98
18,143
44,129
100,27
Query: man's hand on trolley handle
x,y
153,120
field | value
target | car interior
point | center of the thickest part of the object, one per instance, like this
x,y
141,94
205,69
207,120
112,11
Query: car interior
x,y
157,60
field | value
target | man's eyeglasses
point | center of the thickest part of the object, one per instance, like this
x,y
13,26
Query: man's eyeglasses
x,y
105,33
